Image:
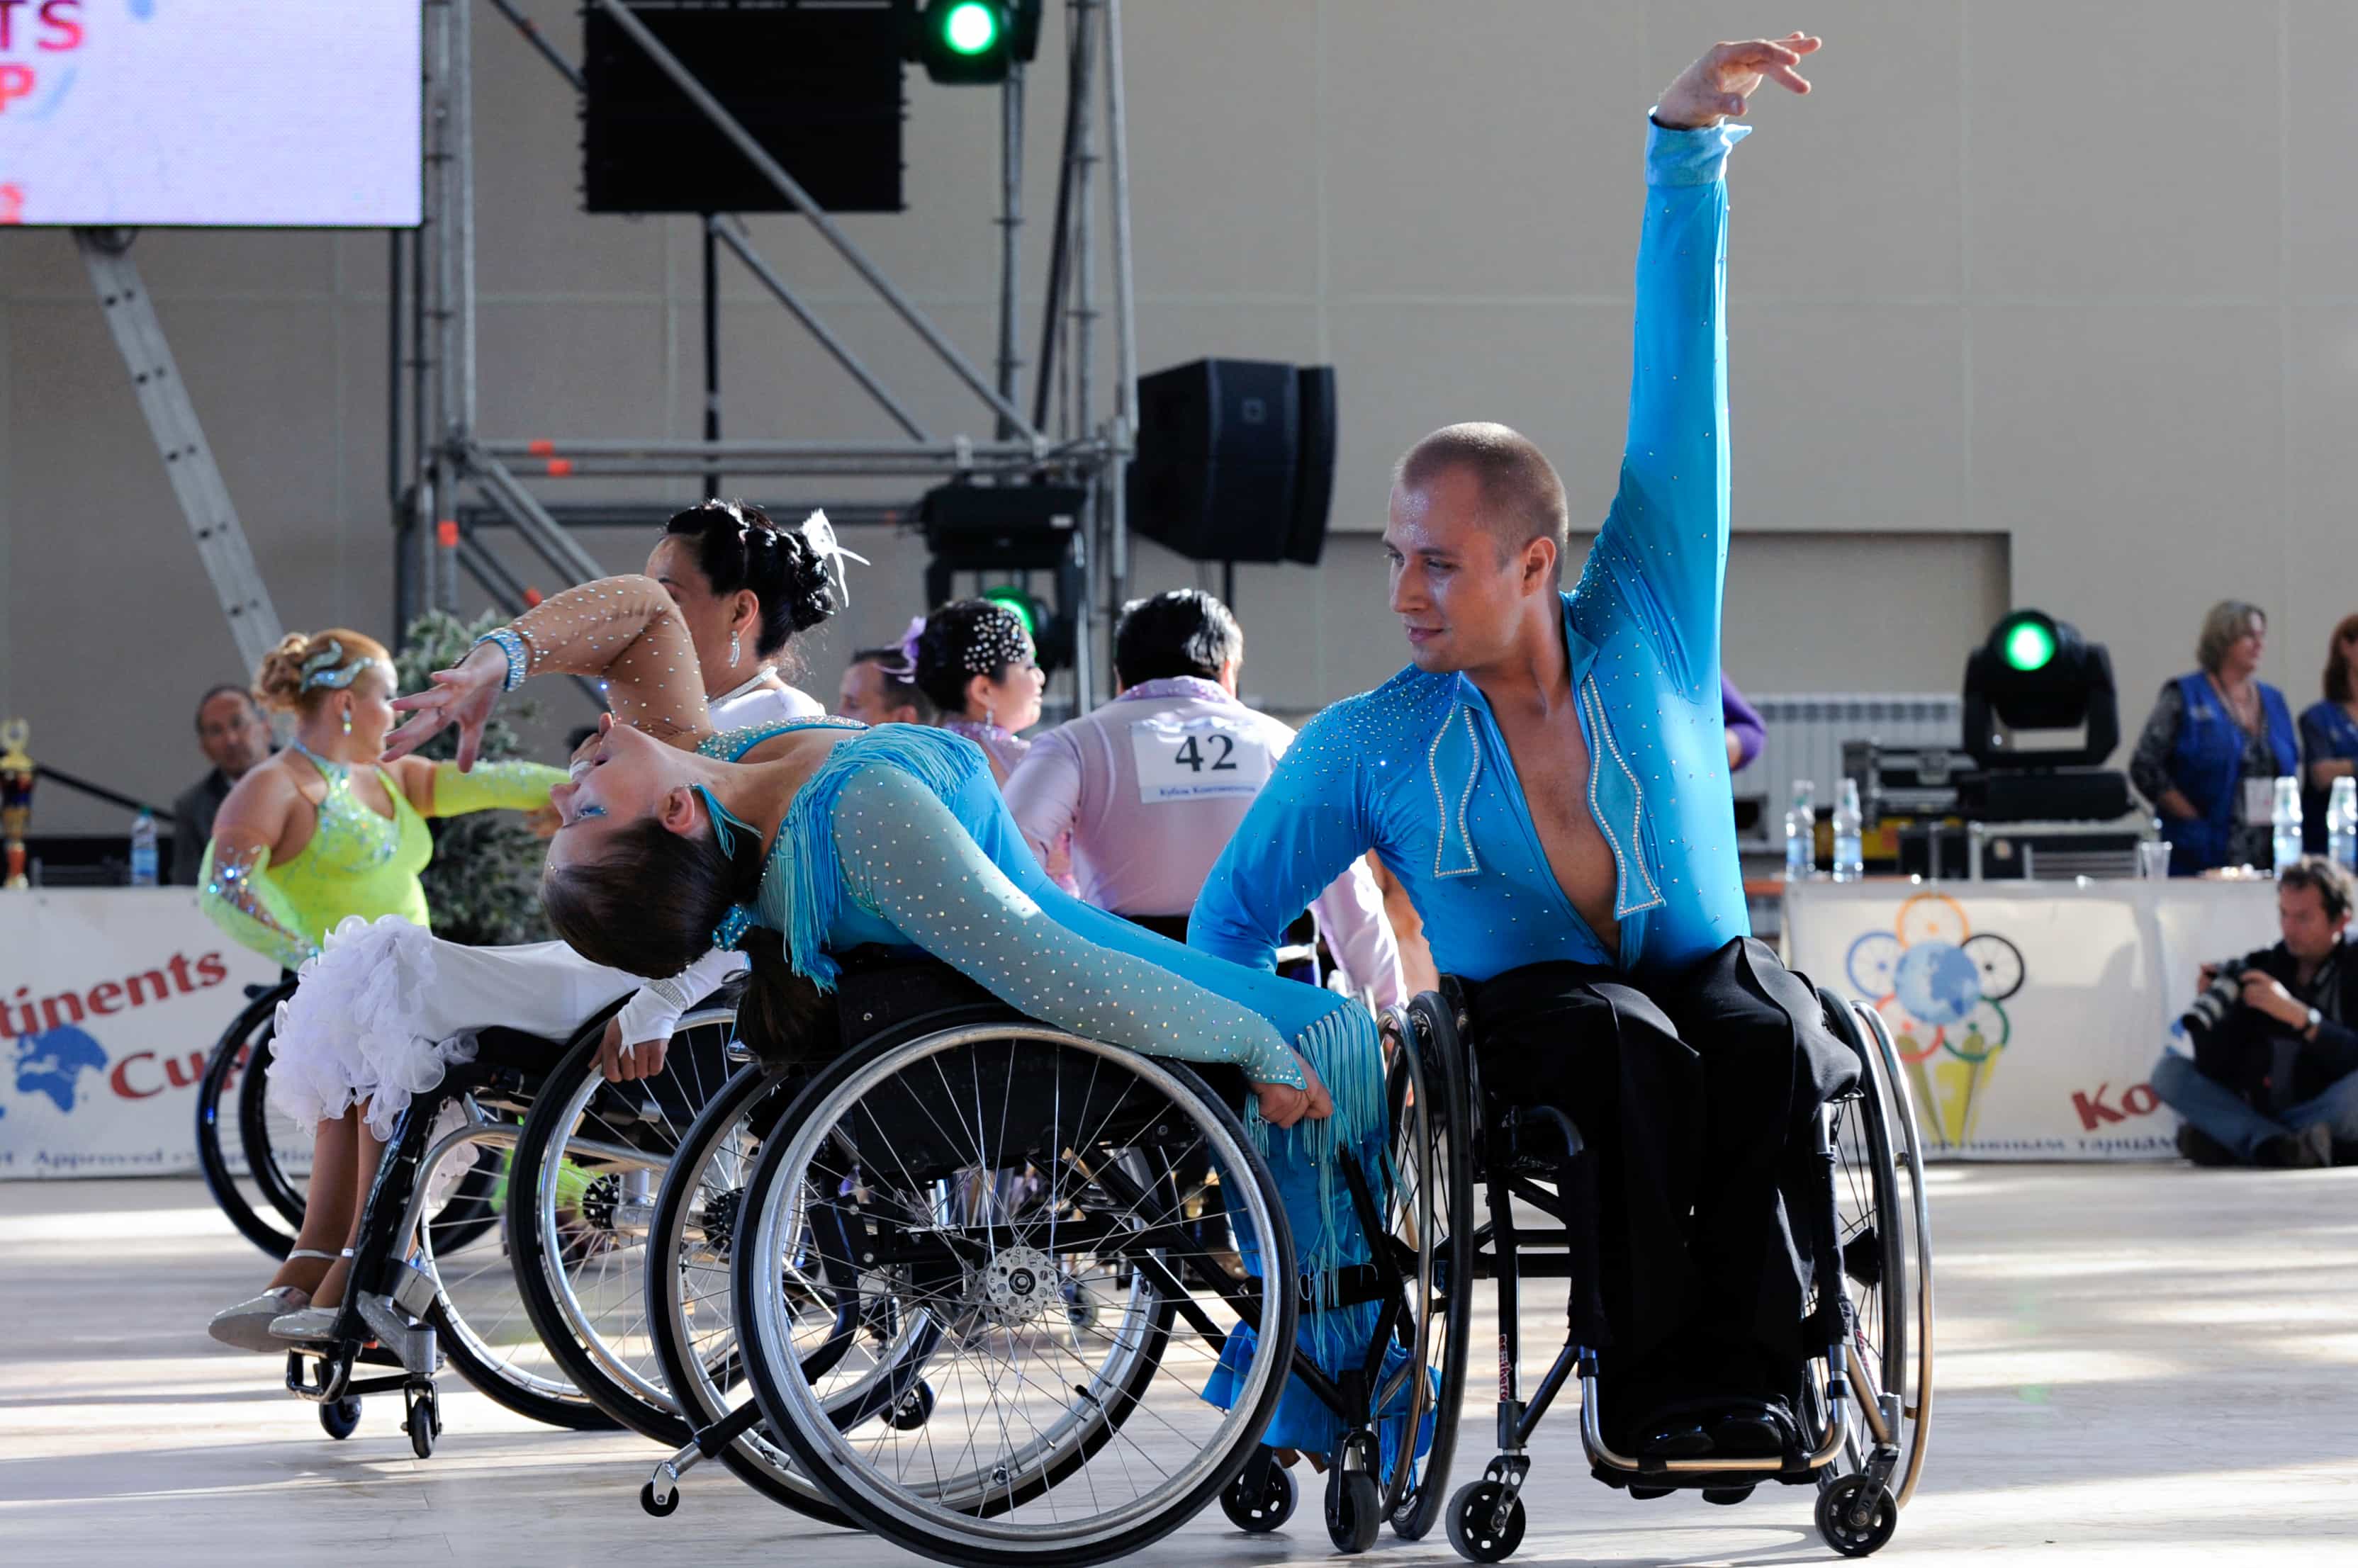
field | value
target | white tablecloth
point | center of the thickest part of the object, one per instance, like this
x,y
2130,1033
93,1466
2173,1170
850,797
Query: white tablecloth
x,y
2031,1013
110,998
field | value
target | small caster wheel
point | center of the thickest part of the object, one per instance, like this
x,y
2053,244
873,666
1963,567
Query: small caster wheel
x,y
1258,1516
424,1423
1471,1529
1725,1497
664,1510
340,1418
1354,1508
915,1408
1840,1503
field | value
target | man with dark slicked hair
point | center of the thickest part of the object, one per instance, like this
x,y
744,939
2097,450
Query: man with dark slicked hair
x,y
1549,782
234,736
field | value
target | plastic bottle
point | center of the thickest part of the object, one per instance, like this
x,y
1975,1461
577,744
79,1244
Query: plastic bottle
x,y
142,850
1801,833
2342,823
2284,820
1850,848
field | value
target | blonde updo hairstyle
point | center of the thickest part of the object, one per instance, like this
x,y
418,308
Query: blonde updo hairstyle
x,y
278,683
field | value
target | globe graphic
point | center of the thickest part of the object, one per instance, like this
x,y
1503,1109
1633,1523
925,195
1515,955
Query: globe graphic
x,y
1937,982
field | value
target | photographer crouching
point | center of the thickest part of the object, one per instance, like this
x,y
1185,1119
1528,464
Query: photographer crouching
x,y
2273,1078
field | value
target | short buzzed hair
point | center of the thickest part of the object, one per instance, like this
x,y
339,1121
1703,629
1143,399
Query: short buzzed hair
x,y
1522,496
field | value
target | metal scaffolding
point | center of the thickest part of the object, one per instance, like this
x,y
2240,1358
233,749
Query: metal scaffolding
x,y
448,476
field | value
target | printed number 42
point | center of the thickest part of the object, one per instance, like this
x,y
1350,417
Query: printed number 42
x,y
1192,754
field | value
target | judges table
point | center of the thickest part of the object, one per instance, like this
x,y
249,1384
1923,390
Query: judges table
x,y
110,998
2030,1013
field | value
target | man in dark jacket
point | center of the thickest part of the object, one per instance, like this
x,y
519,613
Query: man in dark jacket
x,y
2274,1078
235,737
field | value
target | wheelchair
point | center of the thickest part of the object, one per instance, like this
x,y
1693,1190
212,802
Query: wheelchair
x,y
462,1296
964,1267
254,1163
1869,1389
589,1160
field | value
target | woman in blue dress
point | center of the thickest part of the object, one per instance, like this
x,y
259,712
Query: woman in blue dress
x,y
809,839
2328,733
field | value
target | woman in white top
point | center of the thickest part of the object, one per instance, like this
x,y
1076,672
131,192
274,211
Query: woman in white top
x,y
732,572
385,1007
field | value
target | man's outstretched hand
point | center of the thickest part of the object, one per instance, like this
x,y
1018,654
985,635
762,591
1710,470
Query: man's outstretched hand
x,y
1717,85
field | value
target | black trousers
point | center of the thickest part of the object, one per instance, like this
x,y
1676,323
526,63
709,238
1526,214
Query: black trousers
x,y
1697,1092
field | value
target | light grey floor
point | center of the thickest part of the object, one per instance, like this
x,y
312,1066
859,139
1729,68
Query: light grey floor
x,y
2140,1365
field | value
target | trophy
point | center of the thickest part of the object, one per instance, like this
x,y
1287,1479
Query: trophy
x,y
16,775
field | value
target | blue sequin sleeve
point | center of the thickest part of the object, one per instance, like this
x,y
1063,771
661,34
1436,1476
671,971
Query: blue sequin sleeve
x,y
1664,544
1309,822
907,859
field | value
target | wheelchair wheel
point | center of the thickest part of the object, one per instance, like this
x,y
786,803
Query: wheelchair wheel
x,y
588,1165
479,1314
254,1164
1883,1218
958,1185
1431,1220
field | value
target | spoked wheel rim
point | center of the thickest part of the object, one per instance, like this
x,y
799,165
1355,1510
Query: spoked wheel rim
x,y
594,1203
1427,1202
1002,1257
481,1305
689,1272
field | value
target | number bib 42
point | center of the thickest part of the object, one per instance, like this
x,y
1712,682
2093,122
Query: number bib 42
x,y
1195,759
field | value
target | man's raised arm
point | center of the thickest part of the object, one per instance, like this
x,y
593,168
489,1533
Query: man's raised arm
x,y
1665,540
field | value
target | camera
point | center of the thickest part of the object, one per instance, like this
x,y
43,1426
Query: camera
x,y
2218,998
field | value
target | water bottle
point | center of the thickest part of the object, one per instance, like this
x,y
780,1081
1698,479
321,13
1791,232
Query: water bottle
x,y
1850,849
142,850
2342,823
1801,833
2284,820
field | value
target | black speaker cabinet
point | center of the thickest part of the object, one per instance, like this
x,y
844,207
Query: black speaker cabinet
x,y
819,88
1236,459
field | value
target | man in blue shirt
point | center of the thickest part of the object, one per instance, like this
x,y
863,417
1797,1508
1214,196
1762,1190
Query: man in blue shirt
x,y
1549,782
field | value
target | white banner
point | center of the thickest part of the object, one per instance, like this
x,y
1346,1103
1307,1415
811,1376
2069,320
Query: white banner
x,y
110,1001
2029,1014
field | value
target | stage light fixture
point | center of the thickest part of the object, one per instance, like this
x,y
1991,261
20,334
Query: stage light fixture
x,y
2035,676
969,42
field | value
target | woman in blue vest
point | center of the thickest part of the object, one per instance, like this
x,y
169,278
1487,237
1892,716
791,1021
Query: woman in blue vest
x,y
2329,732
2217,741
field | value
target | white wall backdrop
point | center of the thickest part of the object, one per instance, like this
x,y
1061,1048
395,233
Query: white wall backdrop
x,y
2038,300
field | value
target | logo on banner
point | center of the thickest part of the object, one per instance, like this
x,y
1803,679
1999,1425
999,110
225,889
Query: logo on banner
x,y
52,1058
1940,988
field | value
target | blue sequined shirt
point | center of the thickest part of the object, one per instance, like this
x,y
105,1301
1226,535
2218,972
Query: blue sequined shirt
x,y
1417,769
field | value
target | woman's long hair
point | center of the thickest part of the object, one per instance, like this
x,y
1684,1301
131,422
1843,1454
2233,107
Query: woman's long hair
x,y
2339,685
648,905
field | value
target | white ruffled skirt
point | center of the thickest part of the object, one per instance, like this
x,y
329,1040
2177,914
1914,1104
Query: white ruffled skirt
x,y
387,1008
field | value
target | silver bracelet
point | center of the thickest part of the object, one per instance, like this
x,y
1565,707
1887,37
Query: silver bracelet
x,y
509,642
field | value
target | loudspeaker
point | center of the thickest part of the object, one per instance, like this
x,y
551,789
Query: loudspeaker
x,y
1002,527
1236,459
818,88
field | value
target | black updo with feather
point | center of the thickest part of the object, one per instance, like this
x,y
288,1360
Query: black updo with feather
x,y
739,547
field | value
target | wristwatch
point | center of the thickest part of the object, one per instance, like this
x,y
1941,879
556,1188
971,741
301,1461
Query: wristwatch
x,y
2315,1018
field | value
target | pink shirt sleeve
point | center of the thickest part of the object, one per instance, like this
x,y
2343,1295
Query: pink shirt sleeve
x,y
1350,914
1044,794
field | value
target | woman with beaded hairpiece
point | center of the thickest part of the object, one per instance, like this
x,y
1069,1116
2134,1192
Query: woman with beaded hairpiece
x,y
805,841
384,1006
974,661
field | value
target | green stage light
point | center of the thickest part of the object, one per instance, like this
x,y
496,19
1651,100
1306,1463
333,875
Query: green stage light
x,y
969,27
969,42
1027,609
2029,646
